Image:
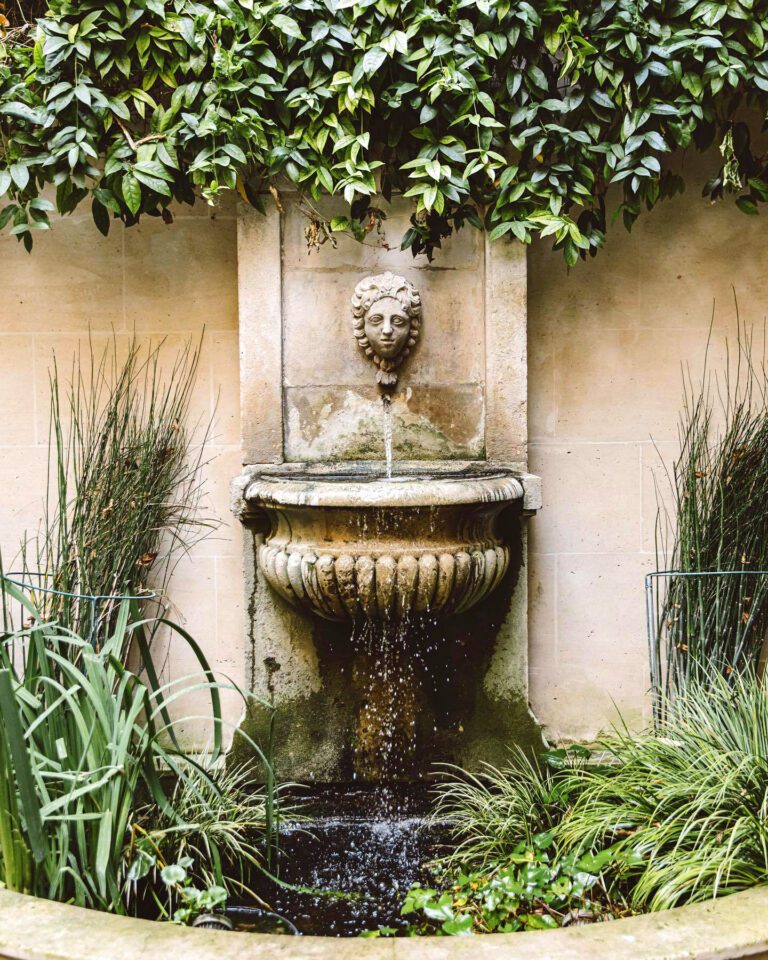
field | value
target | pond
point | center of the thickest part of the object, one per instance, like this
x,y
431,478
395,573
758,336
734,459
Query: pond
x,y
347,871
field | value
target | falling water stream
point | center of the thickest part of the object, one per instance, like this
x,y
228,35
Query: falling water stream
x,y
348,871
387,406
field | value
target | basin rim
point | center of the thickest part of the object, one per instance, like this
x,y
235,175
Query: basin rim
x,y
727,929
425,486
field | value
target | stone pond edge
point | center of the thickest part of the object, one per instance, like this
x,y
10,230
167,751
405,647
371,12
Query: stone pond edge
x,y
726,929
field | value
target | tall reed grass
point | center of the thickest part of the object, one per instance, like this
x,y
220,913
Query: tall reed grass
x,y
719,519
124,483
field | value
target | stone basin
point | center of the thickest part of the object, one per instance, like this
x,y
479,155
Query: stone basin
x,y
351,544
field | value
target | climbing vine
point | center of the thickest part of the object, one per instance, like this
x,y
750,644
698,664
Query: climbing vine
x,y
513,116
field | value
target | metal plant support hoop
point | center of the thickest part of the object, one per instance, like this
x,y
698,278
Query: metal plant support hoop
x,y
741,620
95,611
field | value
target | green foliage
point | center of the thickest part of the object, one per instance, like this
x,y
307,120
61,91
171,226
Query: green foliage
x,y
82,738
532,889
719,517
674,815
124,484
685,812
489,813
215,828
505,871
194,901
502,113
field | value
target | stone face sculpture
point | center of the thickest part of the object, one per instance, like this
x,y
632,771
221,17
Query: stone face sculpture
x,y
386,311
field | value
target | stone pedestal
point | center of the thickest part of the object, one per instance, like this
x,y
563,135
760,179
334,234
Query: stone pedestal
x,y
308,396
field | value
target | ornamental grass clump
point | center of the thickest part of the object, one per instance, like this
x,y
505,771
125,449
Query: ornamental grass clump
x,y
647,821
88,754
219,824
683,812
713,615
124,483
490,812
506,870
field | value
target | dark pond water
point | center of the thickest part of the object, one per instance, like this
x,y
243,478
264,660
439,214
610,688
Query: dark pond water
x,y
358,858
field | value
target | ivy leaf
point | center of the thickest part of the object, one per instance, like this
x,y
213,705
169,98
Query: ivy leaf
x,y
167,155
232,150
460,927
100,216
499,230
107,199
173,874
34,115
656,141
441,909
287,25
151,168
373,59
6,214
324,176
537,76
747,205
602,99
20,175
154,183
132,193
755,33
487,102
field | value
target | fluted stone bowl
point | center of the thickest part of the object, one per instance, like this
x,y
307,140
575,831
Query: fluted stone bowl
x,y
353,544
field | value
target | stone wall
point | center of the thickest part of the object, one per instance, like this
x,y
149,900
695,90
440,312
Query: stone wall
x,y
606,344
308,391
159,281
609,342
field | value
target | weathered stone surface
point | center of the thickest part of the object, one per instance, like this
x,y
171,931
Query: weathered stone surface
x,y
319,346
386,322
345,422
349,546
506,353
470,347
733,928
261,365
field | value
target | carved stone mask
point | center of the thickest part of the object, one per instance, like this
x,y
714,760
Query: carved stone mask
x,y
386,312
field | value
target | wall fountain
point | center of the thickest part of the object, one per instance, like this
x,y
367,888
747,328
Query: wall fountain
x,y
384,515
352,544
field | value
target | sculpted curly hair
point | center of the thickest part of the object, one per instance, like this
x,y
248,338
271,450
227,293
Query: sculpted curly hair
x,y
367,292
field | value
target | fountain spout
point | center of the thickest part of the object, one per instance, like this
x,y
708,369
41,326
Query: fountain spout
x,y
386,320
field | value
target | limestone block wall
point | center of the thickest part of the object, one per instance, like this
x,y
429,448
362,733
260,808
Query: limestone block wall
x,y
606,342
159,281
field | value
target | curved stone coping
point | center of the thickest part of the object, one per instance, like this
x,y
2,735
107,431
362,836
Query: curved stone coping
x,y
423,486
727,929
